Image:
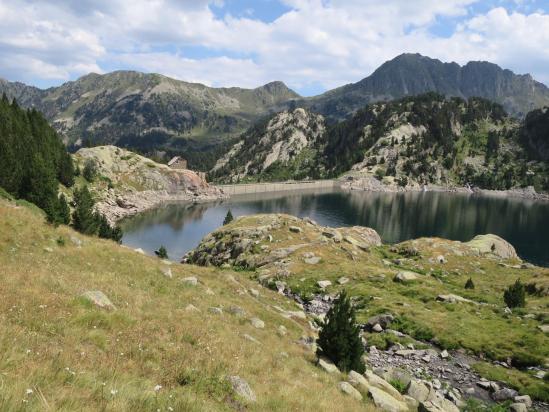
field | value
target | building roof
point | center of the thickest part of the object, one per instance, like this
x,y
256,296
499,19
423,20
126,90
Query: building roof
x,y
174,160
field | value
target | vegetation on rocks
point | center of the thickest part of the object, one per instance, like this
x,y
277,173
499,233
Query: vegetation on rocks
x,y
313,264
339,336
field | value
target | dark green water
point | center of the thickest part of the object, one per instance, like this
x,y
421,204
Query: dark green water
x,y
396,217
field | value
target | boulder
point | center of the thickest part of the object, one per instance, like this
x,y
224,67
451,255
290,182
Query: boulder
x,y
451,298
295,229
441,259
525,399
518,407
323,284
385,401
236,310
343,280
435,402
99,299
444,354
313,260
191,308
257,323
328,365
254,292
358,381
380,383
544,328
405,276
504,394
166,271
215,310
282,331
377,328
494,245
347,388
191,281
384,320
417,390
241,388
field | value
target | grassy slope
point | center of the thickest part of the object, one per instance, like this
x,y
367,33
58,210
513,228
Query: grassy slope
x,y
485,330
72,354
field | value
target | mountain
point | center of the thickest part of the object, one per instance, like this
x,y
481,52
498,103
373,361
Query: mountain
x,y
149,112
425,139
280,148
413,74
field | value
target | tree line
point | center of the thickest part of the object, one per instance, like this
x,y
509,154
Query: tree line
x,y
34,162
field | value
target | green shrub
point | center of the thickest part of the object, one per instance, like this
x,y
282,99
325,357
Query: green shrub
x,y
469,284
162,252
398,385
339,337
525,360
514,295
90,170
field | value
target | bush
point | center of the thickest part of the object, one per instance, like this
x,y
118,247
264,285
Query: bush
x,y
90,170
398,385
162,252
380,173
469,284
339,337
228,218
514,295
525,360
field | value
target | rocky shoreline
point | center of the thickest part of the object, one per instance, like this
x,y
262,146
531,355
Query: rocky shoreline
x,y
116,207
371,184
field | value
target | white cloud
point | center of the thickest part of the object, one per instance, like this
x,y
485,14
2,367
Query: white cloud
x,y
327,42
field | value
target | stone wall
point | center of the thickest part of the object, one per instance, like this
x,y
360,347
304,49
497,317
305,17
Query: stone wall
x,y
245,188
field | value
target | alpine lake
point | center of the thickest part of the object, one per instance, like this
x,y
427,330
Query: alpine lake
x,y
395,216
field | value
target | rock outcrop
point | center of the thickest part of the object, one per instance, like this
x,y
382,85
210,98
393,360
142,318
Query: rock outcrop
x,y
128,183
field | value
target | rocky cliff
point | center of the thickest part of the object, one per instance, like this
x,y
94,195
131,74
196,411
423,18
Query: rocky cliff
x,y
285,146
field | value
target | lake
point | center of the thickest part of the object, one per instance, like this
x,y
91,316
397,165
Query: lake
x,y
395,216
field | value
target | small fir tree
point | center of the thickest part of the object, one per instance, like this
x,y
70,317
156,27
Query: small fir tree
x,y
63,210
339,337
469,284
90,170
228,218
84,219
514,295
162,252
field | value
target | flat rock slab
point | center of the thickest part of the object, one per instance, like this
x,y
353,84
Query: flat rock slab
x,y
99,299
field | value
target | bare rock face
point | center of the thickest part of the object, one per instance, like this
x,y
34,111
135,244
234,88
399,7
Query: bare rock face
x,y
494,245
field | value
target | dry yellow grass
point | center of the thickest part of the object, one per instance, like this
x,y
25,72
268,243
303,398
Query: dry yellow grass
x,y
60,353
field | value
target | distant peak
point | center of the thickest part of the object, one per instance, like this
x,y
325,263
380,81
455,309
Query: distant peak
x,y
277,87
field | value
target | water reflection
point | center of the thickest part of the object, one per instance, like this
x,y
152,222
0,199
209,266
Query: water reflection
x,y
395,216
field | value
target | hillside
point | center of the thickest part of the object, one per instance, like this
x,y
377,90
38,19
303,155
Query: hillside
x,y
127,183
149,112
162,346
413,74
419,320
283,147
406,143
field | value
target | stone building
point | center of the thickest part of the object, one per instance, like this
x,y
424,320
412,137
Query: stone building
x,y
177,163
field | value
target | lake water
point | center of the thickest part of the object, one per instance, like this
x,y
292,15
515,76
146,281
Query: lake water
x,y
395,216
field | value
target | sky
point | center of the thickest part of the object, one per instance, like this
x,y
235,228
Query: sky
x,y
311,45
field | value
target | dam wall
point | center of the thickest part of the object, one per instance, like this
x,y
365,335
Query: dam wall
x,y
246,188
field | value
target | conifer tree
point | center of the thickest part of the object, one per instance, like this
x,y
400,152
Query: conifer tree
x,y
84,218
228,218
339,338
469,284
162,252
515,295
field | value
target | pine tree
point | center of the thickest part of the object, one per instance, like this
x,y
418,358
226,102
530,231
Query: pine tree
x,y
63,211
84,218
515,295
469,284
162,252
339,338
228,218
90,170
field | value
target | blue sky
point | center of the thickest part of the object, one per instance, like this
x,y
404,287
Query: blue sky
x,y
311,45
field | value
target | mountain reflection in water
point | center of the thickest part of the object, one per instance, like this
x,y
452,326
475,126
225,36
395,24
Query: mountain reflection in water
x,y
395,216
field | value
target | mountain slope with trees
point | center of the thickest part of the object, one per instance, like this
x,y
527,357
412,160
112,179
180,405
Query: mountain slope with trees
x,y
150,112
426,139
